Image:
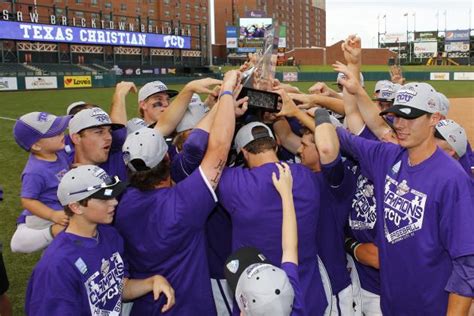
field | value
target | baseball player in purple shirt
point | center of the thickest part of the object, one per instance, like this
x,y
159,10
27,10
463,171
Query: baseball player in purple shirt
x,y
83,271
424,240
163,225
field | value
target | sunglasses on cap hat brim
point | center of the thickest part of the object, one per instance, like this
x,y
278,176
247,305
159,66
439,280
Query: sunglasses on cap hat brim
x,y
405,112
109,189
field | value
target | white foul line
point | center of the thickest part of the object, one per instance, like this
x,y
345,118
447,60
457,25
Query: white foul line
x,y
7,118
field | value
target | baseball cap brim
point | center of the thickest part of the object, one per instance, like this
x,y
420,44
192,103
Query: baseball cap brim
x,y
113,126
110,192
237,262
170,93
405,112
60,124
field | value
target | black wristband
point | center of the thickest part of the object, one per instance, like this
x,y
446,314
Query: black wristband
x,y
350,245
321,116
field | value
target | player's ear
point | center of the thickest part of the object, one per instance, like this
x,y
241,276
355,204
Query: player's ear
x,y
75,138
435,118
76,208
245,153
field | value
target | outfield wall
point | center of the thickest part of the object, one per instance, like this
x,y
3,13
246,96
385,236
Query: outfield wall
x,y
110,80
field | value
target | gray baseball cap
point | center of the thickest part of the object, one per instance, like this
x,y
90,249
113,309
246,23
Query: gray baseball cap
x,y
195,112
154,87
454,134
88,181
414,100
89,118
379,84
259,287
387,92
247,134
144,149
135,124
73,105
443,104
33,126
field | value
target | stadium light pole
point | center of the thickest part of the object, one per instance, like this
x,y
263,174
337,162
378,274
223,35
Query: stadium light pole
x,y
408,43
210,31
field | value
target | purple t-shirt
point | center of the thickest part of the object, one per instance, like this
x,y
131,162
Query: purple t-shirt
x,y
426,214
40,180
363,217
255,208
334,210
188,160
467,160
291,271
163,231
79,276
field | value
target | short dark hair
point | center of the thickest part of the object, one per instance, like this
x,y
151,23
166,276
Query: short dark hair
x,y
148,179
80,107
261,145
82,202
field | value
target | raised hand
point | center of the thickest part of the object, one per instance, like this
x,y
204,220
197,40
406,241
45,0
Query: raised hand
x,y
203,85
352,50
396,75
319,88
350,82
289,107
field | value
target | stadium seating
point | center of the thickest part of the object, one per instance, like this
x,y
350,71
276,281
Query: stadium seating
x,y
7,69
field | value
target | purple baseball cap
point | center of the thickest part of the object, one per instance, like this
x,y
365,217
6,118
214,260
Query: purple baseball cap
x,y
33,126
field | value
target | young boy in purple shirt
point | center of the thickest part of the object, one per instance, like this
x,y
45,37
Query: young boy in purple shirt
x,y
423,234
163,225
83,271
42,135
261,288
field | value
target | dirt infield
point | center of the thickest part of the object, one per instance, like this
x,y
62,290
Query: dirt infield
x,y
462,111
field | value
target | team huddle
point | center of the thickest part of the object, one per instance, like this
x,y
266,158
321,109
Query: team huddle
x,y
339,204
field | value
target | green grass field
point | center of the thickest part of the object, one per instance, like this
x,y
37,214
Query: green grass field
x,y
14,104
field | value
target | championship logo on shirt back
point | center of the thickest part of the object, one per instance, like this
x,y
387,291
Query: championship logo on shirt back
x,y
404,209
364,204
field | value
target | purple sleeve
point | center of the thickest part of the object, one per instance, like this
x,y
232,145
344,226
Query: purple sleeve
x,y
369,153
457,215
186,161
225,190
367,134
462,278
118,138
334,172
31,186
291,270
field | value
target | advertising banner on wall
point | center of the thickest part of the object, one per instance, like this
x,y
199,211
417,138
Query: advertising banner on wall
x,y
232,35
41,83
456,47
458,35
8,83
77,82
70,34
426,36
439,75
290,76
423,49
393,38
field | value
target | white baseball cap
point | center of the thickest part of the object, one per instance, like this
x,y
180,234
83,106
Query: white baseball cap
x,y
73,105
89,118
195,112
340,76
247,134
88,181
379,85
454,134
144,149
154,87
135,124
260,288
386,92
414,100
443,104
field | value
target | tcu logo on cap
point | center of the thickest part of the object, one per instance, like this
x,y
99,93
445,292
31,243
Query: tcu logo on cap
x,y
43,117
100,115
406,94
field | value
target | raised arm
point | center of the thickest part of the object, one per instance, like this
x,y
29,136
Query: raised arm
x,y
289,227
118,109
222,130
312,100
325,137
289,109
175,112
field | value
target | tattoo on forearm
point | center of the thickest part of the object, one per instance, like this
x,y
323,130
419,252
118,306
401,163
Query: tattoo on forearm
x,y
220,166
